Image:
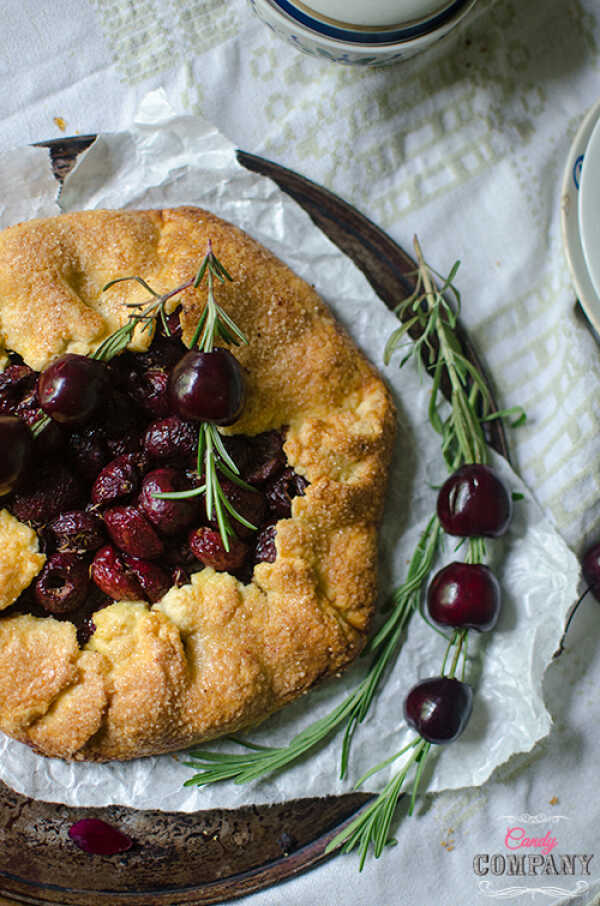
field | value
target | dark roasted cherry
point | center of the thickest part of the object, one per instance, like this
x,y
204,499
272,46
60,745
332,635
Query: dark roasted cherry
x,y
266,458
122,370
99,838
281,491
45,492
130,442
439,708
266,551
240,450
208,386
474,501
171,440
153,580
122,424
178,553
174,325
51,438
207,546
149,390
165,351
251,505
88,452
16,445
465,595
112,577
85,631
132,532
169,516
20,398
72,388
62,585
591,569
77,531
119,479
17,383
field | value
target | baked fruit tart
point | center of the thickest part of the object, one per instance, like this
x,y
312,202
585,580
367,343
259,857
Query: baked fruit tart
x,y
192,470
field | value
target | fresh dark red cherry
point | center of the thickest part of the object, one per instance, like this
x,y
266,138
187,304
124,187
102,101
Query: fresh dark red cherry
x,y
16,444
590,564
591,569
474,501
465,595
71,388
439,708
99,838
208,386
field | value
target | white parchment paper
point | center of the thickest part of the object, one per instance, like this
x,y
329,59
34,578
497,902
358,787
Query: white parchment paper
x,y
165,160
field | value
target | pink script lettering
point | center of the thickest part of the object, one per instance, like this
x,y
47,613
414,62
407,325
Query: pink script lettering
x,y
517,839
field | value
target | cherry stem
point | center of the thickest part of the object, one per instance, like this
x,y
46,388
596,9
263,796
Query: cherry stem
x,y
574,609
450,644
461,639
38,427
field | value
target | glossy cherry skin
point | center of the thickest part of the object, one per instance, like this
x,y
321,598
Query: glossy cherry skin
x,y
16,445
439,708
464,595
71,388
474,501
207,386
591,569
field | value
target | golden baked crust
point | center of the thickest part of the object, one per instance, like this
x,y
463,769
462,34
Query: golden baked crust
x,y
20,559
215,655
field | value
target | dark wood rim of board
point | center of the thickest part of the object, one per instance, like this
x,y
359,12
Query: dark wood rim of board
x,y
221,854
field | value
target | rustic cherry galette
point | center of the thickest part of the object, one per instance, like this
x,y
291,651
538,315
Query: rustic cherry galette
x,y
193,459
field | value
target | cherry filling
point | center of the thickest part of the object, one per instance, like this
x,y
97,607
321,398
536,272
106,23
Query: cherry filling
x,y
86,485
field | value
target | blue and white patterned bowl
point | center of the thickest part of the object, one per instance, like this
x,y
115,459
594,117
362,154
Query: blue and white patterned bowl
x,y
352,43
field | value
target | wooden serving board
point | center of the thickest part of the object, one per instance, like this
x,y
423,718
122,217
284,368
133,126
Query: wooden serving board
x,y
217,855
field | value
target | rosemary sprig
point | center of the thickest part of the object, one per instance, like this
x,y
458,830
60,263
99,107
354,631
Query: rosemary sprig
x,y
471,404
463,441
213,458
143,314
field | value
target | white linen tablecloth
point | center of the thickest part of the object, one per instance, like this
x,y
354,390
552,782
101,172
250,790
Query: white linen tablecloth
x,y
465,145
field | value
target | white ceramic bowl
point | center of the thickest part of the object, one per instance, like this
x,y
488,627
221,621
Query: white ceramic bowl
x,y
393,30
571,187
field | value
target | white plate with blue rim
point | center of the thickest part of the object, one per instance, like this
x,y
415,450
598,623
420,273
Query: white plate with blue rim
x,y
572,240
589,207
